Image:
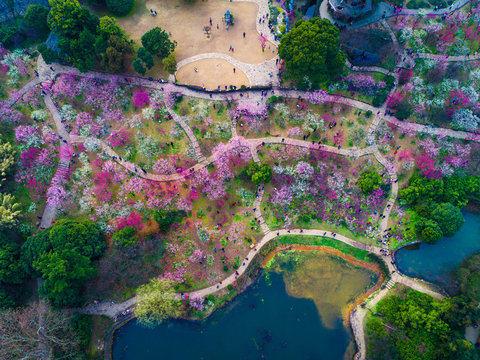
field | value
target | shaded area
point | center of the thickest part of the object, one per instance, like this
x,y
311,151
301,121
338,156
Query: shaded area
x,y
434,263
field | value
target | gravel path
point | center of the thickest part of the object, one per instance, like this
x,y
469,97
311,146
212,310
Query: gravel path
x,y
357,317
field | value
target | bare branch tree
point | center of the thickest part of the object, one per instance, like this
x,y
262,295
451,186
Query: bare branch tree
x,y
35,332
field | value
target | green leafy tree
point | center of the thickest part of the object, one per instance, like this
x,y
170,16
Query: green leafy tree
x,y
113,60
259,173
468,277
448,217
68,19
64,272
311,49
9,211
120,7
165,219
84,236
369,181
156,302
456,189
36,18
11,269
6,300
170,63
63,256
138,66
126,237
7,160
35,246
428,230
157,42
146,57
80,50
108,26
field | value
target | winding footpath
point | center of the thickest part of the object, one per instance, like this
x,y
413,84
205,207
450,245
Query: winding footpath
x,y
357,317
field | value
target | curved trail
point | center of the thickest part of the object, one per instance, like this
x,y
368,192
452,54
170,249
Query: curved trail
x,y
357,316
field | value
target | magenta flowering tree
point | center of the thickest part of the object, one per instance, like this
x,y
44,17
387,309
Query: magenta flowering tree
x,y
134,220
425,163
119,138
103,185
394,99
28,157
457,100
141,99
405,155
263,41
66,152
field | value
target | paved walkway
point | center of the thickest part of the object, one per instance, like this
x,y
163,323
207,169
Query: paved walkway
x,y
448,57
113,310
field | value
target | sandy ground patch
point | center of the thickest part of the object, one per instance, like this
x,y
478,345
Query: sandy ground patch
x,y
186,21
211,73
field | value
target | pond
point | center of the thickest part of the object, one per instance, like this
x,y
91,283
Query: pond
x,y
264,322
435,262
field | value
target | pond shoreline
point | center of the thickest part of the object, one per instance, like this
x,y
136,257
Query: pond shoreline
x,y
332,251
253,279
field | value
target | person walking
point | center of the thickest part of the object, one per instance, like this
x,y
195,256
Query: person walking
x,y
234,70
244,34
210,21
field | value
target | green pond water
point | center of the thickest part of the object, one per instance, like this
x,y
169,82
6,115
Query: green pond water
x,y
293,311
435,262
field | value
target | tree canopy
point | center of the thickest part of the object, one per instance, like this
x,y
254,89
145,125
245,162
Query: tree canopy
x,y
259,173
7,160
448,217
125,237
468,277
80,32
63,256
11,269
9,211
36,18
120,7
456,189
311,48
428,230
369,181
156,302
416,326
157,42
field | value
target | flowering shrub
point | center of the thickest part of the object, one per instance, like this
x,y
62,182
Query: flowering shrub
x,y
196,302
119,138
141,99
134,220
